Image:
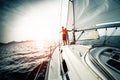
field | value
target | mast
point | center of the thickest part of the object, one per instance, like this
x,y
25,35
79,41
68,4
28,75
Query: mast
x,y
71,19
73,23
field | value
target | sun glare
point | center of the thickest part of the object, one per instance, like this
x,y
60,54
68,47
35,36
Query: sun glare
x,y
40,43
38,23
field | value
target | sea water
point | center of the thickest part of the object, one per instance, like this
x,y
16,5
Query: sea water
x,y
18,59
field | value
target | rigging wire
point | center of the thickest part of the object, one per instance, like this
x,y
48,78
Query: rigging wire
x,y
36,76
112,33
105,36
31,75
80,35
106,39
61,1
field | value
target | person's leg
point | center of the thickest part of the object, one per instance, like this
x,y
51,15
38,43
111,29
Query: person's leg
x,y
64,39
63,42
67,39
66,42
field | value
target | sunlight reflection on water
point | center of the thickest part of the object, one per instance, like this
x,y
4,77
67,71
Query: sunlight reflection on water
x,y
22,56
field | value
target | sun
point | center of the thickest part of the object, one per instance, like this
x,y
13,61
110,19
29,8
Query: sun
x,y
38,25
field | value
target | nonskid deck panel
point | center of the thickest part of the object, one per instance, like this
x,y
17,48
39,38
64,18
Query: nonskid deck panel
x,y
109,58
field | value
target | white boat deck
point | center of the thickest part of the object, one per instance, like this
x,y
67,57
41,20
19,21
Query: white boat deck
x,y
54,67
77,69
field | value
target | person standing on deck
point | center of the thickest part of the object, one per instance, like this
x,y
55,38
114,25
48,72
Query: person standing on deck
x,y
67,37
64,36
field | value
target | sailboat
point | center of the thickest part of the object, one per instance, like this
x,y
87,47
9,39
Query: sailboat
x,y
94,50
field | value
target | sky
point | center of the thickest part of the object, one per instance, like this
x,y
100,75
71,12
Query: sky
x,y
31,19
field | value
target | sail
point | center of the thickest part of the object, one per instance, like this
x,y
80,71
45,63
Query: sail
x,y
70,20
90,34
88,13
